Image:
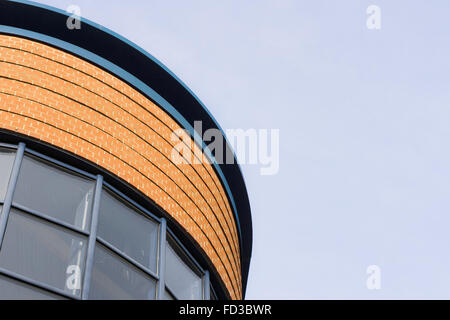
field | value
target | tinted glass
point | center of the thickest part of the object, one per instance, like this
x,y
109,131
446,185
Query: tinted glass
x,y
43,252
115,278
128,231
11,289
167,296
180,278
6,164
55,192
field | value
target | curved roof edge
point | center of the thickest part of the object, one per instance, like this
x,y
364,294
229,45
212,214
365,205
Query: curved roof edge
x,y
39,18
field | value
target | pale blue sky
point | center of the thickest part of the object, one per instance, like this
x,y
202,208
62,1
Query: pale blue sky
x,y
364,126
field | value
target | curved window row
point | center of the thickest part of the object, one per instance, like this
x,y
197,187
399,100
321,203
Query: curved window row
x,y
64,233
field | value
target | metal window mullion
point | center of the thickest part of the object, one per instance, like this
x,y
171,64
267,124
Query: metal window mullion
x,y
92,238
188,257
174,296
206,284
127,258
10,192
48,218
34,283
162,259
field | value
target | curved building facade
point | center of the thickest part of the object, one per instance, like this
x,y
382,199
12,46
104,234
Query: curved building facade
x,y
93,205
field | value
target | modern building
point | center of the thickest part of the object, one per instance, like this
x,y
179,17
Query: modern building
x,y
92,204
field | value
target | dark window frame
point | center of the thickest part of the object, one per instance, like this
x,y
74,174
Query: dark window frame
x,y
163,231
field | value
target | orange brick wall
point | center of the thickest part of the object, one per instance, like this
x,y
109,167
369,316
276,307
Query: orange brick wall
x,y
61,99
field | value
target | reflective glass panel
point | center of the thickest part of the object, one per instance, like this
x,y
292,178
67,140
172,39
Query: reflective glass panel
x,y
43,252
167,295
180,278
6,163
11,289
127,230
115,278
55,191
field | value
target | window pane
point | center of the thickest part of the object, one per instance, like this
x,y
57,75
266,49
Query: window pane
x,y
43,252
181,280
128,231
55,192
115,278
6,164
167,295
11,289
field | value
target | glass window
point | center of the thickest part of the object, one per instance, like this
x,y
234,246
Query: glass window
x,y
43,252
115,278
11,289
6,164
180,278
167,295
55,191
128,230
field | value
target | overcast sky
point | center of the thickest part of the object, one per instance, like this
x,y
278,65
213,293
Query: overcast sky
x,y
364,131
